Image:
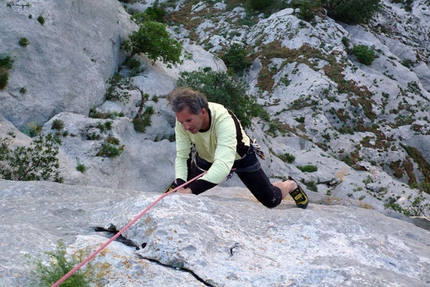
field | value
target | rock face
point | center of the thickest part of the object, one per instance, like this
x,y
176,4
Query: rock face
x,y
68,58
223,237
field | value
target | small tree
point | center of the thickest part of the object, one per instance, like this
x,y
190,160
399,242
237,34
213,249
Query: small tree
x,y
235,58
153,40
352,11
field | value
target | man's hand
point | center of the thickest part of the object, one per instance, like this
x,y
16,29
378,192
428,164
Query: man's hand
x,y
184,190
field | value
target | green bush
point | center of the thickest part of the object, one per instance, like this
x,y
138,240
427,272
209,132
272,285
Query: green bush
x,y
153,40
37,162
307,9
352,11
57,124
364,54
31,130
6,63
24,42
141,122
235,58
345,42
287,157
81,167
47,275
41,20
258,4
308,168
135,67
4,79
111,148
118,88
219,87
155,12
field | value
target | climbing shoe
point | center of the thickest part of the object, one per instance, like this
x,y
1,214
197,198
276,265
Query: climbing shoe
x,y
177,182
170,187
299,195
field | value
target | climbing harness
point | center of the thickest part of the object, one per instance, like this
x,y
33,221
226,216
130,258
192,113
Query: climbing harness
x,y
92,255
254,148
257,149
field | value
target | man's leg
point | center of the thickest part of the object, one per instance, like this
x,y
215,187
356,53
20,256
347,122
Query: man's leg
x,y
267,193
293,188
260,186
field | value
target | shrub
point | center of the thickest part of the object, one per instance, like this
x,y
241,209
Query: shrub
x,y
352,11
258,4
153,40
57,124
345,42
117,90
307,9
311,185
287,157
100,115
111,148
219,87
81,167
235,58
308,168
141,122
155,12
364,54
47,275
4,79
41,20
6,63
31,130
135,67
23,42
37,162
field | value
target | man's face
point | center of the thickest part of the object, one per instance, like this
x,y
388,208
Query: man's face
x,y
191,122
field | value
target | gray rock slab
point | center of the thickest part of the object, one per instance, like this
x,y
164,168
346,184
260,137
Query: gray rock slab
x,y
34,215
227,238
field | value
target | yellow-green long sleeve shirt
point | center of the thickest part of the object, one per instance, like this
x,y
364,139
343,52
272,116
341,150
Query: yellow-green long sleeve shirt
x,y
224,142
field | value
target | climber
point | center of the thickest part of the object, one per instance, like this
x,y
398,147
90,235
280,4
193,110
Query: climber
x,y
210,138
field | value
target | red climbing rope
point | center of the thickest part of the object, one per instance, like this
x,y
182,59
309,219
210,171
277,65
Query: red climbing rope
x,y
92,255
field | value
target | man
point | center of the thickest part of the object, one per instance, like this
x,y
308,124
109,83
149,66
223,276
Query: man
x,y
210,138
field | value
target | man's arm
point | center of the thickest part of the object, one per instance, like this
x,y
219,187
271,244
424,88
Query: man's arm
x,y
224,155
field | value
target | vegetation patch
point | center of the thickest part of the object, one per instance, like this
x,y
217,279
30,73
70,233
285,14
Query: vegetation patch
x,y
48,273
111,148
6,63
308,168
153,40
417,157
37,162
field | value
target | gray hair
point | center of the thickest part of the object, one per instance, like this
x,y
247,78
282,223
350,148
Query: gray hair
x,y
183,97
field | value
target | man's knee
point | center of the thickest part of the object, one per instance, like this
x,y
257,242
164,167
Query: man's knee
x,y
272,202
